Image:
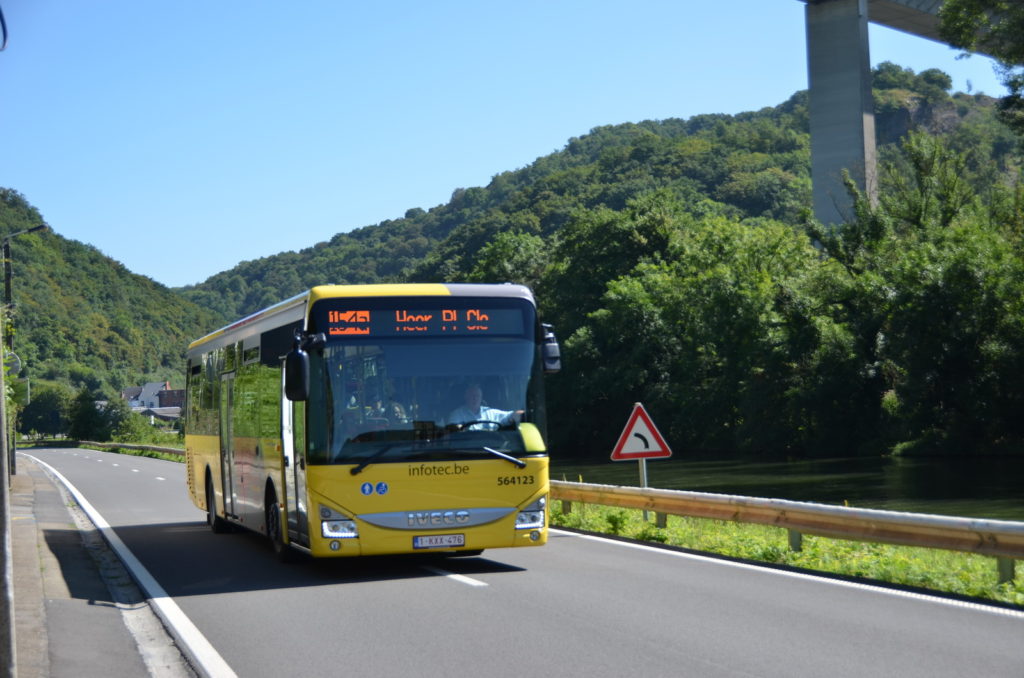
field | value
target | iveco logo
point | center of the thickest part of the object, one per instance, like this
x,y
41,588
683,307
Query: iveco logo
x,y
438,518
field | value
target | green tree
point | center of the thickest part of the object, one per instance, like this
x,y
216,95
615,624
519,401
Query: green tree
x,y
86,420
996,28
132,427
930,292
936,78
511,257
888,75
602,245
48,412
700,335
117,415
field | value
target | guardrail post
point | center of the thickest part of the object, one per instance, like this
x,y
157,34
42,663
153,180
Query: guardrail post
x,y
661,520
796,541
566,507
1006,569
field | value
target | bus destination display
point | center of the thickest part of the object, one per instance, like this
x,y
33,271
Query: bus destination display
x,y
393,322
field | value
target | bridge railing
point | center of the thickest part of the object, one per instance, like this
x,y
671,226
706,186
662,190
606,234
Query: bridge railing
x,y
1001,539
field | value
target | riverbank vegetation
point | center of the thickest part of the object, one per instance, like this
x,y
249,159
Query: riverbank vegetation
x,y
952,572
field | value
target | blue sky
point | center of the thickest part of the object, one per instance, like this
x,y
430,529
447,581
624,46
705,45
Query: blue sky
x,y
183,137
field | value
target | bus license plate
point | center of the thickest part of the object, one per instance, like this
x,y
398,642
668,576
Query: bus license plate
x,y
438,541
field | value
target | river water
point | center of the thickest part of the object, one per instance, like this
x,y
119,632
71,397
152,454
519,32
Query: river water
x,y
987,487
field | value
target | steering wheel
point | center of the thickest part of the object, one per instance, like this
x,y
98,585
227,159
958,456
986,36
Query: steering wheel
x,y
493,425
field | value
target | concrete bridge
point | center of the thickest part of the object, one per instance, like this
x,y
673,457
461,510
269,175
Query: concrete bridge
x,y
839,81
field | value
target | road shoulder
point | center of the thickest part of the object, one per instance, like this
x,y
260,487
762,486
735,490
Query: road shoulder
x,y
77,611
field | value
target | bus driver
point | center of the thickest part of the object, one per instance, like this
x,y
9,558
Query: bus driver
x,y
473,409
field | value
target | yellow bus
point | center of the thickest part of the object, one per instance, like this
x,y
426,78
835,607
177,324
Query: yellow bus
x,y
375,419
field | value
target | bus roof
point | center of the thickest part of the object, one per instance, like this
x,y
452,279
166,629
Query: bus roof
x,y
296,307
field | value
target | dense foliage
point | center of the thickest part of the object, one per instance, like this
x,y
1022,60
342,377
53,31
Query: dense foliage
x,y
81,319
679,265
903,331
993,27
744,166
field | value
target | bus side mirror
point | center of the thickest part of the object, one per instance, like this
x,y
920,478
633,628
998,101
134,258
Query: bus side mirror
x,y
296,375
550,353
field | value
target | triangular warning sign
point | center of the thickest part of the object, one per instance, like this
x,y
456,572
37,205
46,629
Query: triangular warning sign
x,y
640,439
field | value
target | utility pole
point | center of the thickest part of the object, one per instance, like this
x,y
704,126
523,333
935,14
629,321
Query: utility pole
x,y
8,663
7,643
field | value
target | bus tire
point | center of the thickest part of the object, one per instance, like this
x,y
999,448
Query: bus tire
x,y
275,532
217,524
466,554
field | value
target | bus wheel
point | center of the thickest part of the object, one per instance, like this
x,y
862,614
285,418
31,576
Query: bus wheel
x,y
282,551
217,524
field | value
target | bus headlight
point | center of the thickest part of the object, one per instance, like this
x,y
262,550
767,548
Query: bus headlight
x,y
339,529
334,525
532,517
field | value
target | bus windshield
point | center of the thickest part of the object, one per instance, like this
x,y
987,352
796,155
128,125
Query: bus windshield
x,y
428,396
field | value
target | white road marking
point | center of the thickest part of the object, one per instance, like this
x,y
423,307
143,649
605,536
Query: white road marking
x,y
469,581
191,641
978,607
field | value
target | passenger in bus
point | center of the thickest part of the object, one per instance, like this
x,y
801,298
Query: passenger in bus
x,y
377,410
396,413
474,409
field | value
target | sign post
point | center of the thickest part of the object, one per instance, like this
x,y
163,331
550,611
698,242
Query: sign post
x,y
640,440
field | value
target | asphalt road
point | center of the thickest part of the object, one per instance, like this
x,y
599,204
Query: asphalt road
x,y
579,606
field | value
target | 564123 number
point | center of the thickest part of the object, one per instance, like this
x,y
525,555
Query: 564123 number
x,y
516,480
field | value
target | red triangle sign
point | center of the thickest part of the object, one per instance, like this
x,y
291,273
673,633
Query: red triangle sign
x,y
640,439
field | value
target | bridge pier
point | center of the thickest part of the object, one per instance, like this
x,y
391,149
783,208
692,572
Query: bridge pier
x,y
842,115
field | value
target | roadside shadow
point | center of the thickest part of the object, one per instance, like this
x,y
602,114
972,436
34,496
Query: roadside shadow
x,y
187,559
78,569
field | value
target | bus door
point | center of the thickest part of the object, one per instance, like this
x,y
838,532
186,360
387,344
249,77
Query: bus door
x,y
227,442
293,444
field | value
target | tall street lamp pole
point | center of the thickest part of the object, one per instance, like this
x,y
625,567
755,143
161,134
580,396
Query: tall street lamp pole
x,y
8,665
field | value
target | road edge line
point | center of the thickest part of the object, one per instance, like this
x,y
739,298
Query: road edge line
x,y
204,657
915,595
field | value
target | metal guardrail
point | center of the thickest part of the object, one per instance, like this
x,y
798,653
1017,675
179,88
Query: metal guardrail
x,y
1001,539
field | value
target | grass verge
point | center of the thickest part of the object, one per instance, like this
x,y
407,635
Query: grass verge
x,y
147,453
153,454
962,574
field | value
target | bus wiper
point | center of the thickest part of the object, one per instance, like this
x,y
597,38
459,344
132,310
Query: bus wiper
x,y
507,457
369,460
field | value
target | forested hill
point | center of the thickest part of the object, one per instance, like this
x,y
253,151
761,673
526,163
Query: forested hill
x,y
678,264
674,259
754,164
83,319
745,165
